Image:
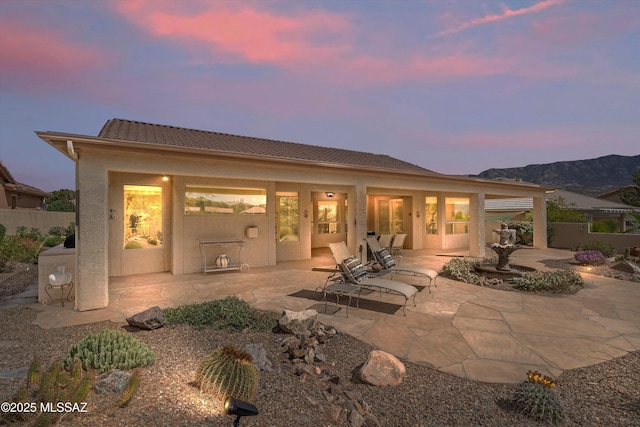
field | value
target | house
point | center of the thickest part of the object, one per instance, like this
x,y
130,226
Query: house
x,y
594,209
16,195
155,198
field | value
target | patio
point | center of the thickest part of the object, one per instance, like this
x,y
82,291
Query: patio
x,y
466,330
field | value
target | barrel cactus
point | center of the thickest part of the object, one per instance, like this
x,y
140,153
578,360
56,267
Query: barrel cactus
x,y
536,398
110,349
227,372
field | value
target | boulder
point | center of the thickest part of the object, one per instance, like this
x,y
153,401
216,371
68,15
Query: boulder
x,y
259,355
114,381
298,322
148,319
382,369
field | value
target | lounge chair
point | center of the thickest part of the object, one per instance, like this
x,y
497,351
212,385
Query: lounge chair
x,y
397,247
353,272
388,264
386,240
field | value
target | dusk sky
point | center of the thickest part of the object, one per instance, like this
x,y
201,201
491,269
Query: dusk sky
x,y
455,86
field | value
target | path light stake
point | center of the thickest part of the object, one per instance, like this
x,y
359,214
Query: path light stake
x,y
241,409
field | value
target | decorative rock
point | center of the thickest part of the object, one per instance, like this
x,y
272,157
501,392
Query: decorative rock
x,y
332,413
382,369
298,322
627,267
114,381
148,319
356,419
259,355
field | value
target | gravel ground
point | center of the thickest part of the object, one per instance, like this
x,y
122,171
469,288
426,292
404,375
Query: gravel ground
x,y
603,394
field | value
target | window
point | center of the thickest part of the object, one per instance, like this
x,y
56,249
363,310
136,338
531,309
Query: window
x,y
390,216
143,216
457,215
287,217
431,215
225,201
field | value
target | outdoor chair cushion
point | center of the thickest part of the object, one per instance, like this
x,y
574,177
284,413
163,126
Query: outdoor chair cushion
x,y
354,268
385,259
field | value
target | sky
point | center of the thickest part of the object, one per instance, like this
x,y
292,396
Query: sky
x,y
455,86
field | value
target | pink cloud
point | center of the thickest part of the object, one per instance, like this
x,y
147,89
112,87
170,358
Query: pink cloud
x,y
487,19
33,57
245,34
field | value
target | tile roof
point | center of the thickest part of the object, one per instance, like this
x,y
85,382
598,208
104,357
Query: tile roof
x,y
580,201
8,181
178,137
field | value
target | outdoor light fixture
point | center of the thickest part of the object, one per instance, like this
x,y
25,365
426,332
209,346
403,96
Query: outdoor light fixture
x,y
165,178
330,194
241,409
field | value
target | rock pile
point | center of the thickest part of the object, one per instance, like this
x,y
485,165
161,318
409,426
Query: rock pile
x,y
343,405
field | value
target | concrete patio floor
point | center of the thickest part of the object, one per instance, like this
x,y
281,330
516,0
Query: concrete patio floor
x,y
473,332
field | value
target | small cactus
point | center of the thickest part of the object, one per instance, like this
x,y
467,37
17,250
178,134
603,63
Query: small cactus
x,y
227,372
109,349
134,384
33,377
536,398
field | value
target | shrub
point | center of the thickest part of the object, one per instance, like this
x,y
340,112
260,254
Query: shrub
x,y
227,372
109,349
3,231
230,313
560,281
607,226
52,241
461,269
590,257
31,234
20,249
596,245
58,231
524,232
536,398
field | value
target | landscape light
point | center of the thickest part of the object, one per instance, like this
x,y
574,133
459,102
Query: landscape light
x,y
240,408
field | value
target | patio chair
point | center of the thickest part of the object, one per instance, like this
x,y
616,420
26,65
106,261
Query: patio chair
x,y
385,240
397,247
388,263
353,272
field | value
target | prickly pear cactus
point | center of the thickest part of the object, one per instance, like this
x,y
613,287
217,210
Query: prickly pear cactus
x,y
536,398
227,372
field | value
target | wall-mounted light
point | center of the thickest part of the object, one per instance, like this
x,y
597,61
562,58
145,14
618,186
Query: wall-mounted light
x,y
330,194
165,178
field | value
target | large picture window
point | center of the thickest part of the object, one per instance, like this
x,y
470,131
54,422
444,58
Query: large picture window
x,y
143,216
457,215
225,201
330,216
287,217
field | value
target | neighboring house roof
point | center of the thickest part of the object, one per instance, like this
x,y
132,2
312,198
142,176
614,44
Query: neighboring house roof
x,y
127,130
615,194
10,184
581,202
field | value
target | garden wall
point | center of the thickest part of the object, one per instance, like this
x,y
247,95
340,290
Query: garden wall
x,y
568,235
42,220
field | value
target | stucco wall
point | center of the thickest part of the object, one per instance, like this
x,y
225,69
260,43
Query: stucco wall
x,y
569,235
42,220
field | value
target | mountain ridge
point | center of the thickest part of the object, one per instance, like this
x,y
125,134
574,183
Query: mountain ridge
x,y
590,176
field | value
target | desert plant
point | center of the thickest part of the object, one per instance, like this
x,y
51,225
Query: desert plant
x,y
590,257
3,231
461,269
110,349
51,241
597,245
58,231
227,372
606,226
560,281
524,231
31,233
536,398
229,313
134,384
33,375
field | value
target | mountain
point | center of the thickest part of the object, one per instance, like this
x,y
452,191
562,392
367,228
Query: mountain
x,y
591,177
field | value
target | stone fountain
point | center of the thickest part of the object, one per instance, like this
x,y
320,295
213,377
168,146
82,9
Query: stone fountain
x,y
505,247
